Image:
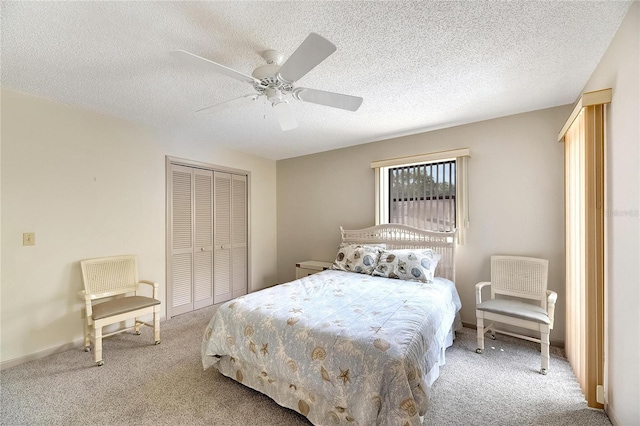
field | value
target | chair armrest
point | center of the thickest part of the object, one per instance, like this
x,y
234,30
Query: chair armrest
x,y
552,296
87,302
479,287
152,284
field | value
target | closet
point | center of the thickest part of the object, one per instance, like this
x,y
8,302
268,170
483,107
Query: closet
x,y
207,250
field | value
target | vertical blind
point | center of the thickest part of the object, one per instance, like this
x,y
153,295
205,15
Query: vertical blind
x,y
583,137
575,246
424,195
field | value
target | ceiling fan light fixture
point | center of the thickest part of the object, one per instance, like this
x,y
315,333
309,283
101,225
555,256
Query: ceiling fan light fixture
x,y
273,95
285,115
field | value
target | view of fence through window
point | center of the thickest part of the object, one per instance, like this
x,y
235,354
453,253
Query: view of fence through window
x,y
424,195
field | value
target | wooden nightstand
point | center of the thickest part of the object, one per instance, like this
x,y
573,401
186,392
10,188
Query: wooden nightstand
x,y
310,267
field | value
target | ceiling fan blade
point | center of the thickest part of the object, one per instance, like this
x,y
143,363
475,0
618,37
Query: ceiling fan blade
x,y
285,115
242,100
335,100
196,60
313,50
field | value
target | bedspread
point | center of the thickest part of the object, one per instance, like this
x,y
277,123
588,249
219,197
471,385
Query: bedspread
x,y
338,347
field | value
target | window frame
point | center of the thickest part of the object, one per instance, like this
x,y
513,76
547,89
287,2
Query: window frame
x,y
448,168
461,156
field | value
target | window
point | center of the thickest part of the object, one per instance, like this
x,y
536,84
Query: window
x,y
424,195
426,191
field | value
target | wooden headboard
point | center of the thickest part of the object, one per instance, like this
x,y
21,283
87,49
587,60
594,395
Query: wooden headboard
x,y
397,236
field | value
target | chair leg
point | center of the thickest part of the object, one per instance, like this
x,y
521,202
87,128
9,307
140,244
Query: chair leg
x,y
87,339
480,334
136,326
97,350
492,331
156,326
544,349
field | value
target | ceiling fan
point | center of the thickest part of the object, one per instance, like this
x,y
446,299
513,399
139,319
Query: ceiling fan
x,y
275,81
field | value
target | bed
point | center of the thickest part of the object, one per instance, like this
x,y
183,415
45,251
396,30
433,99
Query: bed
x,y
357,344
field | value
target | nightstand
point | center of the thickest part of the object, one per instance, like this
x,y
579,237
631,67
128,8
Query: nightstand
x,y
310,267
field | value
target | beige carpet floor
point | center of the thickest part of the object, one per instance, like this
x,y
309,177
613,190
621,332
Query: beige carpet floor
x,y
143,384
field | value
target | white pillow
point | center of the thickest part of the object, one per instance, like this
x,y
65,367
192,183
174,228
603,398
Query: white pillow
x,y
408,264
357,258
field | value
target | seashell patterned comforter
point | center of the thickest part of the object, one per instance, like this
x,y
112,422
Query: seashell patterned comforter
x,y
338,347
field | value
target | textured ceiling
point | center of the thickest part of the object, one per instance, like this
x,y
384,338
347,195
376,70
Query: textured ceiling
x,y
418,65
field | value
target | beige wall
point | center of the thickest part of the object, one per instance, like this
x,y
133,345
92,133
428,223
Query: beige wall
x,y
90,185
516,197
619,70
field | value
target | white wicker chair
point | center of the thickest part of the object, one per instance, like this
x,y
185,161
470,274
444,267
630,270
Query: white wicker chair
x,y
114,277
517,278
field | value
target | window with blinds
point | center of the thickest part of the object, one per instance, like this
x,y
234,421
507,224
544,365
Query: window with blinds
x,y
423,195
584,145
426,191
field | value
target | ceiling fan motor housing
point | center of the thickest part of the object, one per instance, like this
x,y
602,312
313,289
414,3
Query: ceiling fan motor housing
x,y
268,79
265,71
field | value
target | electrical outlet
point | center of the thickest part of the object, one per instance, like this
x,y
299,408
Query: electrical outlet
x,y
29,239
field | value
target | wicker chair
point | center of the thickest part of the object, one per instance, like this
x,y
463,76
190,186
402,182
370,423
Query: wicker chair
x,y
522,280
113,278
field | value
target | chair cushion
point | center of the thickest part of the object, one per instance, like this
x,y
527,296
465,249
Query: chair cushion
x,y
122,305
516,309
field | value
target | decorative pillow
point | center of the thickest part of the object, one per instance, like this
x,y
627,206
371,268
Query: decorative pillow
x,y
357,258
408,264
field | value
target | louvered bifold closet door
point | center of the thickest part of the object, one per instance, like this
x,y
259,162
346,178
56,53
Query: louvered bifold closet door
x,y
181,267
203,237
222,237
239,235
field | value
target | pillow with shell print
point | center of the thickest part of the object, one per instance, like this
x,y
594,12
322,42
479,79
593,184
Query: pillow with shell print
x,y
357,258
407,264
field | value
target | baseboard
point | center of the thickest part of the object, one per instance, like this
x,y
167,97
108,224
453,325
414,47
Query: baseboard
x,y
41,354
611,414
554,343
46,352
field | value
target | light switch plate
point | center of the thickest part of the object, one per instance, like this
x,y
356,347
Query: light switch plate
x,y
29,239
